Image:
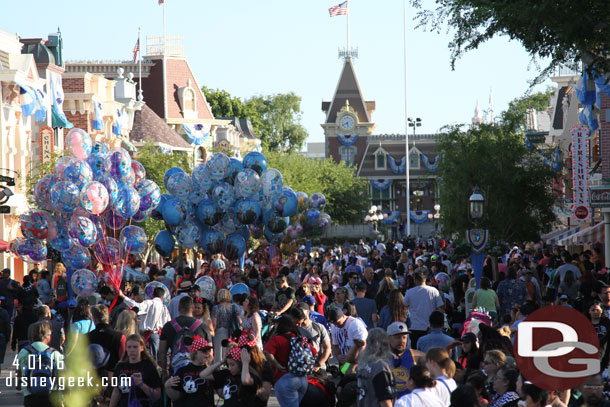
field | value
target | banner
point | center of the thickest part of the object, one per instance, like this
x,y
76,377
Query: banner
x,y
419,216
391,217
580,173
197,133
398,166
347,140
381,184
433,165
477,239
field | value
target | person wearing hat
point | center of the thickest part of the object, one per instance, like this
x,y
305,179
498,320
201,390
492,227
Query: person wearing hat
x,y
348,336
184,288
402,358
185,387
313,314
470,357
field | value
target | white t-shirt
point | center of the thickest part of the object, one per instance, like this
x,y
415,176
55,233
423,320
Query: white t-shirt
x,y
344,337
421,301
420,398
443,389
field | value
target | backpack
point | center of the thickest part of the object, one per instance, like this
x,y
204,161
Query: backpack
x,y
182,341
301,360
42,366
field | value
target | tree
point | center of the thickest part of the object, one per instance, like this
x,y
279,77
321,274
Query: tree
x,y
564,31
275,118
156,164
514,117
514,181
346,194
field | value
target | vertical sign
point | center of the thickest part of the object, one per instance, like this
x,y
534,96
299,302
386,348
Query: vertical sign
x,y
47,143
580,173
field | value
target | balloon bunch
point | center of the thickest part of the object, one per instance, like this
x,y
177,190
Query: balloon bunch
x,y
87,206
225,201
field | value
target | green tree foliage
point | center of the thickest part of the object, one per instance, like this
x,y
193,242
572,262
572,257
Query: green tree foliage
x,y
564,31
514,116
275,118
156,164
514,181
346,194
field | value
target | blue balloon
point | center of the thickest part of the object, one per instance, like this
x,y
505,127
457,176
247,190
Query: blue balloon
x,y
235,167
218,166
62,241
244,232
164,243
278,224
100,148
83,231
247,210
141,215
247,183
188,236
223,195
170,172
201,177
286,202
213,241
174,212
234,246
133,239
97,162
64,196
274,238
128,202
37,250
112,188
150,194
76,258
179,185
127,179
208,212
256,161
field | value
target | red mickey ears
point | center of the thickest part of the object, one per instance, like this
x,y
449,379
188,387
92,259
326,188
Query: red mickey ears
x,y
234,353
246,338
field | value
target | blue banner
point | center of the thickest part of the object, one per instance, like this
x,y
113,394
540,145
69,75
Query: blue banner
x,y
391,217
348,139
419,216
381,184
197,133
433,165
477,260
98,122
397,166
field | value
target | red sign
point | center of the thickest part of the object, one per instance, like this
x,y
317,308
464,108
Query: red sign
x,y
581,212
580,172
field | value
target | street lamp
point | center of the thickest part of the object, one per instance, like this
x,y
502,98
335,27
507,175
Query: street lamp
x,y
477,203
436,216
414,123
374,215
477,238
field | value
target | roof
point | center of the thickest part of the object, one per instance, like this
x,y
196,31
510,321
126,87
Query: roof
x,y
244,126
348,89
397,151
148,126
35,46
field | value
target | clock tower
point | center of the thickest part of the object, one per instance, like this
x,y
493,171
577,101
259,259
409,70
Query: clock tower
x,y
348,121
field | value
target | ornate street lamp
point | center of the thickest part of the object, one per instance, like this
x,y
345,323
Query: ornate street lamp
x,y
477,204
477,238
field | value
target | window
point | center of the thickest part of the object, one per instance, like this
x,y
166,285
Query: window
x,y
380,161
384,198
348,154
414,160
201,154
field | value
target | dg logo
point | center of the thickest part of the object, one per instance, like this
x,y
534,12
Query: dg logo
x,y
556,348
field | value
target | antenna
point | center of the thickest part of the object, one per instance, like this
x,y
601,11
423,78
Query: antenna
x,y
348,53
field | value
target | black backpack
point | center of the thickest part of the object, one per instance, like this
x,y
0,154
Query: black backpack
x,y
39,370
301,360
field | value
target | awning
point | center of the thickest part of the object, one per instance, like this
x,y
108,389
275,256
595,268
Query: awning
x,y
553,237
588,236
4,245
60,119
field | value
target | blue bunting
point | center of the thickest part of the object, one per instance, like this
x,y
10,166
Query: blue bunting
x,y
433,165
391,217
419,216
397,166
381,184
98,122
197,133
28,99
347,140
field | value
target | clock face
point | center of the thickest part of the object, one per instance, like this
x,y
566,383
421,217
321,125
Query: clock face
x,y
347,122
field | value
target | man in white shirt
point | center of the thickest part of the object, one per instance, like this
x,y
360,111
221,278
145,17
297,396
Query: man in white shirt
x,y
154,315
348,336
421,300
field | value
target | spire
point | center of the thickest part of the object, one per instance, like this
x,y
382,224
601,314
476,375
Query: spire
x,y
491,106
477,118
348,89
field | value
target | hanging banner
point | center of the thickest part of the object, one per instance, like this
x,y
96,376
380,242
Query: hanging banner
x,y
433,165
197,133
477,239
397,166
580,173
47,143
381,184
391,217
419,216
348,139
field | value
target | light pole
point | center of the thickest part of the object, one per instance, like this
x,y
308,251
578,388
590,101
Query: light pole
x,y
414,123
477,238
374,215
436,216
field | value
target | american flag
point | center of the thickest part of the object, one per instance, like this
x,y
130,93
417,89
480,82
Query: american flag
x,y
338,10
136,51
161,2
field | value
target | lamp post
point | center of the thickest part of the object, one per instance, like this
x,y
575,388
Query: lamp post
x,y
477,238
436,216
414,123
374,215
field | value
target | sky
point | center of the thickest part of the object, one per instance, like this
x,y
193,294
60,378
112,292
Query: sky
x,y
265,47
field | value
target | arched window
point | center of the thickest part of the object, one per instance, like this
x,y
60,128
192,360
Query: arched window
x,y
414,160
200,154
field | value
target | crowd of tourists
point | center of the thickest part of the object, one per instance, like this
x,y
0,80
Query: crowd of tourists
x,y
391,324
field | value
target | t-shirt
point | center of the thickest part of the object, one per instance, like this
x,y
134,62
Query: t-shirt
x,y
401,365
282,297
443,389
233,392
194,391
316,333
84,326
344,337
420,398
365,307
422,300
150,376
168,332
279,347
375,384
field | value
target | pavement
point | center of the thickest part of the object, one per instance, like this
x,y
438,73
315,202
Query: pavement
x,y
10,397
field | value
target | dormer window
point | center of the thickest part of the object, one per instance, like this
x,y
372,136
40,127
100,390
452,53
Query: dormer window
x,y
188,101
380,159
414,159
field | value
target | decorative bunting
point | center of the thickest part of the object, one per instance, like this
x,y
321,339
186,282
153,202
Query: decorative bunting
x,y
391,217
347,140
116,125
28,99
477,239
587,95
433,165
57,94
397,166
98,122
41,111
419,216
197,133
381,184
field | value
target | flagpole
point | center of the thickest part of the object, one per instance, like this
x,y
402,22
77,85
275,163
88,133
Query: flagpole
x,y
140,97
347,4
408,162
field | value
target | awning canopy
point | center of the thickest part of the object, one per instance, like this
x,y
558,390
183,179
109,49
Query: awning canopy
x,y
553,237
588,236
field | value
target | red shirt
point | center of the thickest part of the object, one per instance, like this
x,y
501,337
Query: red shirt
x,y
320,301
279,347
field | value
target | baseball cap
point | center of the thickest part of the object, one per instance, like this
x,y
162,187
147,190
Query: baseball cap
x,y
199,343
396,328
309,300
563,297
334,315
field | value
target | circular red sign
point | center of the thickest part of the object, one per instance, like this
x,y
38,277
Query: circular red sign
x,y
556,325
581,212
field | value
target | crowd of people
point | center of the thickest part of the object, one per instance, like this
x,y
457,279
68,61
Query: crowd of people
x,y
391,324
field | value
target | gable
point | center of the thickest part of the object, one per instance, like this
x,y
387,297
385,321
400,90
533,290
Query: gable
x,y
177,75
348,89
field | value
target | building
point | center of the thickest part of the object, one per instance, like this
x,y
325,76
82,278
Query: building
x,y
349,134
